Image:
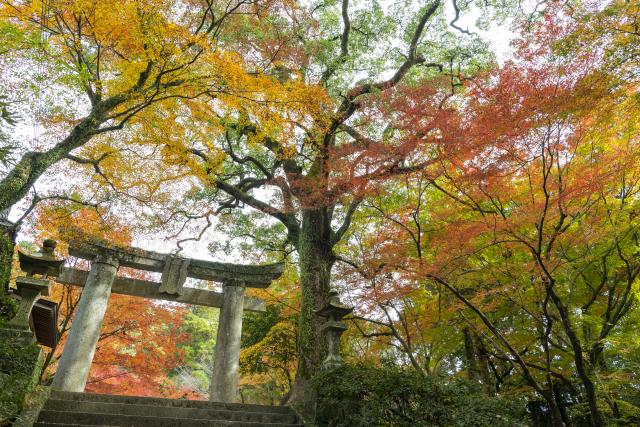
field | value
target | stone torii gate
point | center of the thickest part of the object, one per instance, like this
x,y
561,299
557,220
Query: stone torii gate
x,y
101,281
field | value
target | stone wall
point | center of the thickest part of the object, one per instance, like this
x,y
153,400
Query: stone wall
x,y
21,360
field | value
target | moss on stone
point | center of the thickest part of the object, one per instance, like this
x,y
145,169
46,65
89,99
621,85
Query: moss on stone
x,y
21,359
33,405
20,363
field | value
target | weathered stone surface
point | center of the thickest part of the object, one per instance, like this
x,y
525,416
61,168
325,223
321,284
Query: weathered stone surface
x,y
258,276
212,412
20,358
30,290
64,408
226,360
74,365
174,275
148,289
43,262
34,402
334,310
73,368
170,403
7,246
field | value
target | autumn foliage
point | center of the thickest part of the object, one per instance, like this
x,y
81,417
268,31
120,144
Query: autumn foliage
x,y
479,210
522,229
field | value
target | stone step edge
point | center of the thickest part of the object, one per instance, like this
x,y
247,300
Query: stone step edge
x,y
185,421
44,423
120,408
153,401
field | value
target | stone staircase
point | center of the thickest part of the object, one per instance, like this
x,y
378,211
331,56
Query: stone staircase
x,y
85,409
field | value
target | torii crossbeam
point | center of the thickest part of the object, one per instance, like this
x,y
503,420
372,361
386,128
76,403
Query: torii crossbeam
x,y
101,281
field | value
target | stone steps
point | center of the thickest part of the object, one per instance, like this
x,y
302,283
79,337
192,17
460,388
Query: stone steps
x,y
86,409
158,401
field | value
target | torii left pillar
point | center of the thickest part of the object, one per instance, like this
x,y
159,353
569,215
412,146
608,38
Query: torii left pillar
x,y
74,365
226,358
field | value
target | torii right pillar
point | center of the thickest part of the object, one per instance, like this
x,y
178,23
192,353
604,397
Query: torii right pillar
x,y
226,358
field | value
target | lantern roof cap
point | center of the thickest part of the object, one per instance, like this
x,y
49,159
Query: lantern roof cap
x,y
334,308
42,262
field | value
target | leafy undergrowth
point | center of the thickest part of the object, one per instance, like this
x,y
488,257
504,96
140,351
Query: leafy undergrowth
x,y
365,396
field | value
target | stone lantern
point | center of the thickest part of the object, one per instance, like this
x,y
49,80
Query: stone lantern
x,y
20,371
333,328
42,263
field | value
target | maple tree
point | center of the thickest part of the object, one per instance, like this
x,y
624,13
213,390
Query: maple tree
x,y
268,358
128,64
612,26
311,176
137,350
126,57
530,225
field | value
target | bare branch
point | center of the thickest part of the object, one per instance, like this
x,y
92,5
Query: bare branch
x,y
412,59
288,219
37,199
339,233
344,44
514,354
455,19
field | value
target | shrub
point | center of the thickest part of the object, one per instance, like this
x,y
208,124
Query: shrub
x,y
369,396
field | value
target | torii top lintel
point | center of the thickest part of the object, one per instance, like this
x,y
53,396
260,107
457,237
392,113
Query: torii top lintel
x,y
253,276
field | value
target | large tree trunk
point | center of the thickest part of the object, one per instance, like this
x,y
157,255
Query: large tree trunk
x,y
557,420
316,261
477,361
17,183
470,355
7,244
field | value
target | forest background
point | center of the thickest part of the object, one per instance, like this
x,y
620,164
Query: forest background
x,y
480,214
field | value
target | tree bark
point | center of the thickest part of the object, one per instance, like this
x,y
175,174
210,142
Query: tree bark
x,y
33,164
477,361
7,245
316,261
581,368
470,356
556,415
